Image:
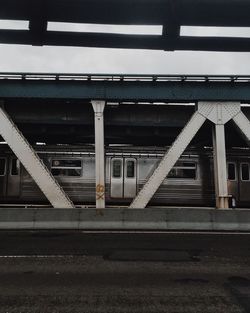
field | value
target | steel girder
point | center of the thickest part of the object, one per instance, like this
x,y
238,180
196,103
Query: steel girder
x,y
120,91
218,113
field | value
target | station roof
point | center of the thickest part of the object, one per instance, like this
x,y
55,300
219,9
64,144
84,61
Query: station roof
x,y
170,14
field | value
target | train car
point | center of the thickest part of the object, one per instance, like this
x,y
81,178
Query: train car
x,y
189,183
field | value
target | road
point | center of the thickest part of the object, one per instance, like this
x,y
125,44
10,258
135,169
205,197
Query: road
x,y
177,279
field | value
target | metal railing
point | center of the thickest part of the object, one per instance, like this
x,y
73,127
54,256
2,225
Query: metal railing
x,y
125,77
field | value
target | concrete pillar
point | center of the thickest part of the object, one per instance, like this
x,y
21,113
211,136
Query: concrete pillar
x,y
98,107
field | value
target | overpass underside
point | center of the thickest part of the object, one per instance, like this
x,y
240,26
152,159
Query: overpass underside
x,y
135,111
170,17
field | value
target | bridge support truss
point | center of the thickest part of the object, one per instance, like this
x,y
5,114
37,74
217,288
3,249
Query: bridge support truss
x,y
33,164
217,112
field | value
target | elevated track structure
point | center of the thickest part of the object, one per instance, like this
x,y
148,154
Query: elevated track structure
x,y
216,100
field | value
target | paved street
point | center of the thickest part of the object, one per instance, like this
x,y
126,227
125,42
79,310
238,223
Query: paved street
x,y
91,284
172,280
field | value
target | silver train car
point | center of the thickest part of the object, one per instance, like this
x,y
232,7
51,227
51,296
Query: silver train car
x,y
190,182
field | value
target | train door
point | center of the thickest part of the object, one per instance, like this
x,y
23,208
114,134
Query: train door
x,y
3,176
244,180
123,178
13,185
233,179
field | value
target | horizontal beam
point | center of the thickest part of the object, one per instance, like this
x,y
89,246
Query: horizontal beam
x,y
125,90
148,12
104,40
157,219
230,44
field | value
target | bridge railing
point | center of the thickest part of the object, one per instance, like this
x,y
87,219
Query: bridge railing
x,y
124,77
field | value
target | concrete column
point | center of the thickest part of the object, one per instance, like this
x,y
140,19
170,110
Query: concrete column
x,y
98,107
220,166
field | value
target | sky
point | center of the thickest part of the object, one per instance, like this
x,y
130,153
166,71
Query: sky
x,y
20,58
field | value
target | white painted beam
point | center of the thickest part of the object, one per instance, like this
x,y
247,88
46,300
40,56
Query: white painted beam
x,y
220,166
98,107
221,113
217,112
33,164
168,161
243,124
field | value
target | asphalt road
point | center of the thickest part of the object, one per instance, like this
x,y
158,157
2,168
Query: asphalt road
x,y
117,273
109,243
92,284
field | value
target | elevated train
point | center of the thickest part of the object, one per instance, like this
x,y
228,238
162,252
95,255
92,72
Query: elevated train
x,y
190,182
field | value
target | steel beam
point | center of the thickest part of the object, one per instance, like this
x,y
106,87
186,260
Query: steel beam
x,y
169,13
243,124
220,167
98,107
135,90
221,113
33,164
217,112
121,41
168,161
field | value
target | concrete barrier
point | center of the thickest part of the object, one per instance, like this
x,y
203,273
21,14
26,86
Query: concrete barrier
x,y
155,219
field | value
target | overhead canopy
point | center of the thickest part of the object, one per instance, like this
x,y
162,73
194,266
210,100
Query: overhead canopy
x,y
170,14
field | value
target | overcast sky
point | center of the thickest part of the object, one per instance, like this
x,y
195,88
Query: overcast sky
x,y
93,60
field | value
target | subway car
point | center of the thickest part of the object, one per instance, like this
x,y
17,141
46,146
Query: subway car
x,y
189,183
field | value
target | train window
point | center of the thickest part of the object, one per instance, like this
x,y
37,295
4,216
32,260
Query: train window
x,y
245,171
2,167
183,170
66,167
75,163
231,171
117,168
130,169
14,167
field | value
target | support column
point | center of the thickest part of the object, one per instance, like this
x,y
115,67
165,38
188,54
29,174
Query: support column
x,y
98,107
222,113
33,164
220,166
